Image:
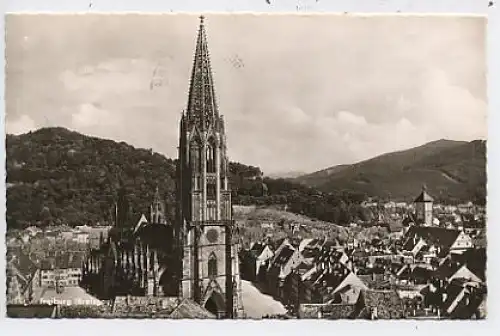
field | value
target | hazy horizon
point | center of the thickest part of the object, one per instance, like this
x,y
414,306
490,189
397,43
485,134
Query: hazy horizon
x,y
299,93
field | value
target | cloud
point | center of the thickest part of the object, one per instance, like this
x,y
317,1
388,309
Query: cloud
x,y
90,115
347,118
22,125
452,110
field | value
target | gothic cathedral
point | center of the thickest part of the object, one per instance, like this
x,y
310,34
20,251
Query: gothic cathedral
x,y
204,230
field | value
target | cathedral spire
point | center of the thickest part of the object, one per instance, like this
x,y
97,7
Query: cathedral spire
x,y
202,110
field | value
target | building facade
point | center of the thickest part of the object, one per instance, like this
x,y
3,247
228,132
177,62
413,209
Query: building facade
x,y
204,227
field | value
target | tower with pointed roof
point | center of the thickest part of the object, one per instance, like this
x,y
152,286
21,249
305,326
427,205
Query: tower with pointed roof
x,y
157,211
423,208
209,267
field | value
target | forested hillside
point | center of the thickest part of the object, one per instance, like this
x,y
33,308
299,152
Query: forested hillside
x,y
56,176
454,171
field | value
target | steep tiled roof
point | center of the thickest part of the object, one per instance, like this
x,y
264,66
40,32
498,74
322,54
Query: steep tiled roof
x,y
447,269
282,258
276,244
332,279
475,259
191,310
471,308
257,249
438,236
20,273
453,290
424,197
309,253
156,236
24,264
349,294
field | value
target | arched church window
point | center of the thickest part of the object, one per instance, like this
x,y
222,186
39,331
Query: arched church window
x,y
199,156
196,152
222,166
211,158
212,265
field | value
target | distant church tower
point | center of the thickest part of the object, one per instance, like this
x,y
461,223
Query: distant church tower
x,y
423,208
157,211
204,225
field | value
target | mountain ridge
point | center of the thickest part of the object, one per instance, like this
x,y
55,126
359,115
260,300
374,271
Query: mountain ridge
x,y
449,168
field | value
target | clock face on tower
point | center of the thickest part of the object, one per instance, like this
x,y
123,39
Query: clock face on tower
x,y
212,235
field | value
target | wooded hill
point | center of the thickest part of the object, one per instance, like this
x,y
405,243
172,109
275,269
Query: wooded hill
x,y
453,171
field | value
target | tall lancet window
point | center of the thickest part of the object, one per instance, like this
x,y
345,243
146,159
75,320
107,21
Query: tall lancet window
x,y
195,157
211,158
212,266
222,166
199,165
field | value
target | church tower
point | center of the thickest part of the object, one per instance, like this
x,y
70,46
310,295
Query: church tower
x,y
423,208
157,211
209,270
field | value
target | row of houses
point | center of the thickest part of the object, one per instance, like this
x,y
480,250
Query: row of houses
x,y
464,208
27,279
312,273
84,235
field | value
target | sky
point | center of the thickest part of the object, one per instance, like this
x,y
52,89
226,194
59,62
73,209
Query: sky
x,y
299,93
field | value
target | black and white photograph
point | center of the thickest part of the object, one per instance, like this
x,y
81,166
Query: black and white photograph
x,y
246,166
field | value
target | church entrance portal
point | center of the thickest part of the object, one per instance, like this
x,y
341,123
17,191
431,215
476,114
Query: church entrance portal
x,y
215,305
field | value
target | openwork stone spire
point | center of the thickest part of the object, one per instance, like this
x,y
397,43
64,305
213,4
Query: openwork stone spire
x,y
202,108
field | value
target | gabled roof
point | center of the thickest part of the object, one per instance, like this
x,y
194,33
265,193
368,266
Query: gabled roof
x,y
331,278
453,290
142,221
442,237
424,197
475,259
23,264
346,291
156,236
283,257
310,252
257,249
446,269
469,306
189,309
